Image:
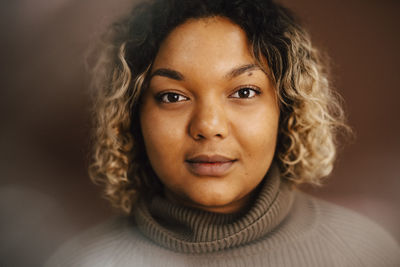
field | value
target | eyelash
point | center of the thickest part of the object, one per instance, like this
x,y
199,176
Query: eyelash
x,y
256,91
160,97
163,97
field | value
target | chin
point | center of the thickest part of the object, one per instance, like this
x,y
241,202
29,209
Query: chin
x,y
212,200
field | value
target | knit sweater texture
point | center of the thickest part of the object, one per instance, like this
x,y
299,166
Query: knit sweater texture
x,y
283,227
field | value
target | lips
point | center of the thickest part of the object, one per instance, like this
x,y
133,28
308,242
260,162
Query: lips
x,y
209,165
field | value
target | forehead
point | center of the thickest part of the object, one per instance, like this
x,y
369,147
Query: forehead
x,y
213,43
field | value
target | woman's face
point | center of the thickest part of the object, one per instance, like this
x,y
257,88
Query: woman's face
x,y
209,117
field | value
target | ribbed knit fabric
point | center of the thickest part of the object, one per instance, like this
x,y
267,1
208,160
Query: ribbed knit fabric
x,y
190,230
283,228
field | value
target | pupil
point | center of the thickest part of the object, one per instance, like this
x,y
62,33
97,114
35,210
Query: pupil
x,y
172,97
244,93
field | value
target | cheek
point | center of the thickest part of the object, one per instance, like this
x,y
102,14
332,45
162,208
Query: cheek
x,y
162,137
257,132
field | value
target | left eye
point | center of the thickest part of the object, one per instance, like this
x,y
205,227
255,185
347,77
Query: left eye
x,y
245,92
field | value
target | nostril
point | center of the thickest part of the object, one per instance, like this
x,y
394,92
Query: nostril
x,y
200,136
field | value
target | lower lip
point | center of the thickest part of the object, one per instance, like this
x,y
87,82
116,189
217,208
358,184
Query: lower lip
x,y
209,169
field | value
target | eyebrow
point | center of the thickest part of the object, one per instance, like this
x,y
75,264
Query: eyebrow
x,y
241,69
172,74
176,75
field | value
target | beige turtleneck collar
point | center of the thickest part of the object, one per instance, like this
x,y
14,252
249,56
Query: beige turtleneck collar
x,y
189,230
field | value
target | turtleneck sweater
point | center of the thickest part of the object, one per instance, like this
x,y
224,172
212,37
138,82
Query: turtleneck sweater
x,y
189,230
282,227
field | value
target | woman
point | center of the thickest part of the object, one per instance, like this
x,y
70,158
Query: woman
x,y
208,115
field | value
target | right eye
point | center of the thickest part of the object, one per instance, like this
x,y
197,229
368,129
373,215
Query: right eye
x,y
171,98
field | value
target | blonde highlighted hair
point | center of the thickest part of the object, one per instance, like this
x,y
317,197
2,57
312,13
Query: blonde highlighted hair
x,y
311,113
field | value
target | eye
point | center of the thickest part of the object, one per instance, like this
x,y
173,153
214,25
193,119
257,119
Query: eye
x,y
245,92
171,97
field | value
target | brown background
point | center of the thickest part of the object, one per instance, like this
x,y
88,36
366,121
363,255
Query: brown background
x,y
45,194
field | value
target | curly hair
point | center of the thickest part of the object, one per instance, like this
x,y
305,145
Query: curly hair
x,y
311,112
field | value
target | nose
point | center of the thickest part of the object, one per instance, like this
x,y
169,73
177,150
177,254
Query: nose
x,y
209,121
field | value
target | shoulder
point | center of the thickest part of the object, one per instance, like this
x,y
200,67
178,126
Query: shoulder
x,y
106,244
350,235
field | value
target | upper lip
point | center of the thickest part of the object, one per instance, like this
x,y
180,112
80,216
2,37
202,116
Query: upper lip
x,y
209,158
